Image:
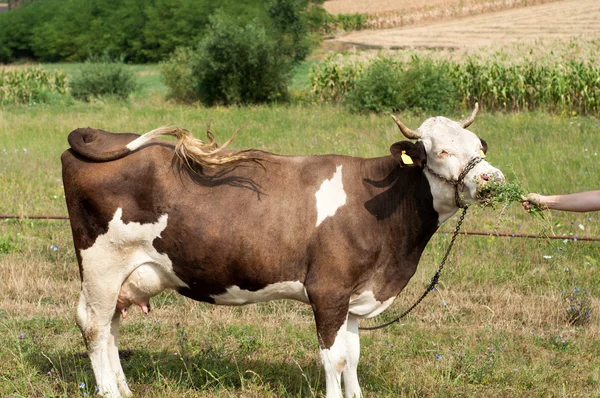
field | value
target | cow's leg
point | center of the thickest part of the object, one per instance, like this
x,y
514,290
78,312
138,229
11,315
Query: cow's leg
x,y
94,317
351,386
331,323
113,355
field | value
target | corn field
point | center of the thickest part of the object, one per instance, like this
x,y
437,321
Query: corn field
x,y
571,86
31,85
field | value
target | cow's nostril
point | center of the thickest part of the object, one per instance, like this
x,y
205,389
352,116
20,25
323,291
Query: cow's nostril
x,y
485,177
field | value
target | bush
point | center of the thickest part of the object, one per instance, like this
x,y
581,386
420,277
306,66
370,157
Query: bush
x,y
102,76
31,85
379,88
388,86
427,86
178,77
231,65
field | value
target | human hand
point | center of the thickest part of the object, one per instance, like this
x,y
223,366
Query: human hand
x,y
533,201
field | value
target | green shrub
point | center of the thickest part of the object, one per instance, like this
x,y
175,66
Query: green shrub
x,y
379,88
102,76
237,65
427,86
178,77
387,86
31,85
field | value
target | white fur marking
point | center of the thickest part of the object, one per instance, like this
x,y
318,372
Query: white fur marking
x,y
366,306
276,291
351,386
334,361
330,196
138,142
112,258
123,248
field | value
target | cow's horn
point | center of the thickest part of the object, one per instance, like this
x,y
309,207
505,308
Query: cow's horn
x,y
467,122
408,133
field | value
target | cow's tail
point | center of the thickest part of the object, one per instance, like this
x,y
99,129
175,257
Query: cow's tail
x,y
104,146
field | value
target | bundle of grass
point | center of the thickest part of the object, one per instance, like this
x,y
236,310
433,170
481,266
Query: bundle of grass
x,y
501,193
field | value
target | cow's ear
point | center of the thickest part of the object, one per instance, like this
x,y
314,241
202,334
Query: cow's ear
x,y
410,154
483,147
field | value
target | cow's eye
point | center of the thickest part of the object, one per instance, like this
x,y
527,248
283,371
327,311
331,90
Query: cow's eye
x,y
443,153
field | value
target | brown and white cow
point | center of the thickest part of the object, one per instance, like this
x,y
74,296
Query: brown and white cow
x,y
343,234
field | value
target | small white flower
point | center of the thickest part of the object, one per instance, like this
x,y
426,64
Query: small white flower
x,y
581,227
547,257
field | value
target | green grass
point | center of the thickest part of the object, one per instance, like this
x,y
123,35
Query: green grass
x,y
497,322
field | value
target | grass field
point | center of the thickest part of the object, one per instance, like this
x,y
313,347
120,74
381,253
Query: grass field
x,y
496,327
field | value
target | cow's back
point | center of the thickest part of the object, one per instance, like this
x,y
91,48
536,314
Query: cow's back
x,y
248,226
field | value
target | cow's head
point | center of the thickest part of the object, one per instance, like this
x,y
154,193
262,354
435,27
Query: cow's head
x,y
444,149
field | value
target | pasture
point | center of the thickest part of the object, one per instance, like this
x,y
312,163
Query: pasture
x,y
497,325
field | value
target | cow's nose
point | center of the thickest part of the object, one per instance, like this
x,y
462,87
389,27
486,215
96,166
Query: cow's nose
x,y
495,176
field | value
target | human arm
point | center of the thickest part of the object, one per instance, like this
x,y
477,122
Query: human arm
x,y
578,202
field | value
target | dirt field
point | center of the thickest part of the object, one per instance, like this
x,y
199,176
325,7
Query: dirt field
x,y
556,20
381,6
403,7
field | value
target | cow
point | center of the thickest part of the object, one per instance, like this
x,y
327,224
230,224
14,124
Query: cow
x,y
343,234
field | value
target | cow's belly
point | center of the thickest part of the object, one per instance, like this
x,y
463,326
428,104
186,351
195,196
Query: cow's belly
x,y
276,291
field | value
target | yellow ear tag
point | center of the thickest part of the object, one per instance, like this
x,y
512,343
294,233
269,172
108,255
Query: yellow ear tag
x,y
405,158
481,154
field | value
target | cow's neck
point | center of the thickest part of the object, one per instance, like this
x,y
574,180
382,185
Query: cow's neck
x,y
402,201
443,197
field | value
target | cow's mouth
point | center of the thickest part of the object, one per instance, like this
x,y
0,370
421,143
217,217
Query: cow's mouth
x,y
497,190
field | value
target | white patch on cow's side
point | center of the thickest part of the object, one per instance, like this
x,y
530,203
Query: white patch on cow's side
x,y
115,255
106,265
366,306
330,196
277,291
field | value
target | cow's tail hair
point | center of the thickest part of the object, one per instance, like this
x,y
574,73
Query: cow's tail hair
x,y
193,151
